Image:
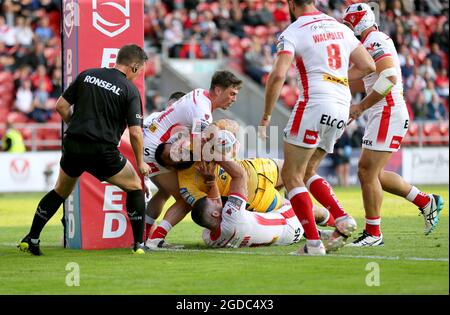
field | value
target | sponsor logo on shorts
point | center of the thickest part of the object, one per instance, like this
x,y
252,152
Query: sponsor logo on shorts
x,y
367,142
310,136
395,142
332,122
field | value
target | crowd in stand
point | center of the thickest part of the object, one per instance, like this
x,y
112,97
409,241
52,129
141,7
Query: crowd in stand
x,y
243,31
30,59
246,33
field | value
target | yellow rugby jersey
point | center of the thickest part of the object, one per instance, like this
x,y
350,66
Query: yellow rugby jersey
x,y
262,175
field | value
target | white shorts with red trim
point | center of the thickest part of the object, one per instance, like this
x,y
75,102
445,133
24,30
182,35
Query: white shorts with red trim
x,y
316,124
294,231
149,158
386,128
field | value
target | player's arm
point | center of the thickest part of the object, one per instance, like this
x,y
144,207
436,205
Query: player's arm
x,y
363,64
238,176
207,170
387,78
274,85
63,109
357,86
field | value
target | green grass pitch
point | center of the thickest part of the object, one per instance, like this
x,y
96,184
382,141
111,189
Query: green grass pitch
x,y
409,263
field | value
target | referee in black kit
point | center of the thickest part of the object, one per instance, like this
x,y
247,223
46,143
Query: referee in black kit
x,y
104,102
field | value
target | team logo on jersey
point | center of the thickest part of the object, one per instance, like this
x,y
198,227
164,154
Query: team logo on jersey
x,y
207,116
395,142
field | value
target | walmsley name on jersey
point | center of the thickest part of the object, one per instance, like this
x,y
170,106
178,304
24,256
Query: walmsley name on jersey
x,y
102,83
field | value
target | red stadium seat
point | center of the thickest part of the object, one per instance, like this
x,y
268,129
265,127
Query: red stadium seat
x,y
3,113
443,128
412,135
17,117
432,134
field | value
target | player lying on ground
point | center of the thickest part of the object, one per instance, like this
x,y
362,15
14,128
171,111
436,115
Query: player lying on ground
x,y
232,226
262,182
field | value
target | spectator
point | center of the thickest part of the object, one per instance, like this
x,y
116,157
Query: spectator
x,y
12,140
408,67
7,33
435,109
429,92
56,83
40,76
40,112
24,33
43,31
442,85
420,108
24,98
435,56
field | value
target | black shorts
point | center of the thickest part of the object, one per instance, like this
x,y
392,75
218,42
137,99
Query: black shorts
x,y
99,159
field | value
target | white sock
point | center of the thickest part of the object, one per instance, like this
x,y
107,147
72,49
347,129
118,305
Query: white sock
x,y
313,243
149,220
413,193
165,225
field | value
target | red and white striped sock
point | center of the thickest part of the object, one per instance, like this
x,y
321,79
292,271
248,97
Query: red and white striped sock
x,y
303,207
161,231
373,225
323,192
417,197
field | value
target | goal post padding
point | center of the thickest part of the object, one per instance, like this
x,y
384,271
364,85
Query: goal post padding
x,y
92,32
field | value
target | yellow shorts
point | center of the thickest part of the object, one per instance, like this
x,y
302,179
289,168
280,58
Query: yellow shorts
x,y
267,198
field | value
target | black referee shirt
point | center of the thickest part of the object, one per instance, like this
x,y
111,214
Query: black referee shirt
x,y
105,102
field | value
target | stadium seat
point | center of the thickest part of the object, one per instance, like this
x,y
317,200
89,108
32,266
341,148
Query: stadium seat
x,y
3,113
443,128
17,117
432,134
412,135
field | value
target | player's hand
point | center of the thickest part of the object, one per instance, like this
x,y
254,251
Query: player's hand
x,y
207,170
144,168
262,128
355,111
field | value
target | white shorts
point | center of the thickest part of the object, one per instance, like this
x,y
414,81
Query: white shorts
x,y
149,158
386,128
319,124
293,231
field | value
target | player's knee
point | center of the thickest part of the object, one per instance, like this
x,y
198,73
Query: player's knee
x,y
363,173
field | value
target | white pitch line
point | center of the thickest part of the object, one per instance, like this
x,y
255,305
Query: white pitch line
x,y
237,252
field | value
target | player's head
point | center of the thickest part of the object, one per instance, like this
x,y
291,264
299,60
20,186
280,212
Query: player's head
x,y
359,17
224,89
175,97
292,4
165,156
225,146
207,213
133,58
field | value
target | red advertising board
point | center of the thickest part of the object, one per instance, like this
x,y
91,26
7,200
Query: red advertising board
x,y
93,32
